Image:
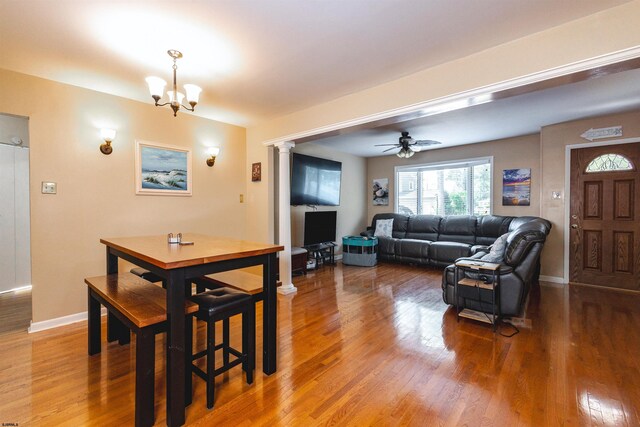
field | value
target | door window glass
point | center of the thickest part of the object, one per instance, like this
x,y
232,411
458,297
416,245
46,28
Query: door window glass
x,y
609,162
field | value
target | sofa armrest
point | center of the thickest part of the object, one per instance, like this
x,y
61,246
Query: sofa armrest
x,y
368,233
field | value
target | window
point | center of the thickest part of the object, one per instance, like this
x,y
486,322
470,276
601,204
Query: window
x,y
445,188
608,163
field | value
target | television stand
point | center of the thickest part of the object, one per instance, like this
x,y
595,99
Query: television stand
x,y
322,253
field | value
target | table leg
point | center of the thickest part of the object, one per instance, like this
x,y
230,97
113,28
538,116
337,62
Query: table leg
x,y
175,348
188,345
269,315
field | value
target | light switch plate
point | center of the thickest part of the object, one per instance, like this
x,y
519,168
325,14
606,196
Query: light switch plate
x,y
49,187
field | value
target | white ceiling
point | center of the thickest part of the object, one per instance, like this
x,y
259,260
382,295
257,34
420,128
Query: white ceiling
x,y
518,115
258,59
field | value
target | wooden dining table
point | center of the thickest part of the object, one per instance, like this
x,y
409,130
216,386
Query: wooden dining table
x,y
177,265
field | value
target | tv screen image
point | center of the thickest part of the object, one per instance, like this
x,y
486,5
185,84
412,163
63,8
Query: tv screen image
x,y
315,181
319,227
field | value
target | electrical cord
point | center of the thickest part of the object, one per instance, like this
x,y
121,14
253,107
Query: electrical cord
x,y
501,322
516,331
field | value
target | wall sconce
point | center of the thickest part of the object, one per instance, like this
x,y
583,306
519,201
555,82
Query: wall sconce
x,y
108,135
213,152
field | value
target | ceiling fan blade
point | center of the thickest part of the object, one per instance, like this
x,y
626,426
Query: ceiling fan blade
x,y
383,145
425,142
389,149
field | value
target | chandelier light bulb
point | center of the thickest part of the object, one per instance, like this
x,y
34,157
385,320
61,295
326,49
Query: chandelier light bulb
x,y
156,86
193,93
172,98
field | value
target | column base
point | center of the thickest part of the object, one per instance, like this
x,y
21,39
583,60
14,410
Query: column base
x,y
286,290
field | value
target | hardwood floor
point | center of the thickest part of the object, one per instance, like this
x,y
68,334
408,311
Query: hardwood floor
x,y
365,346
15,311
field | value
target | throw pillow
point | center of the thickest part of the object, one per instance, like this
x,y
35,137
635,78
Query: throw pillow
x,y
384,228
496,254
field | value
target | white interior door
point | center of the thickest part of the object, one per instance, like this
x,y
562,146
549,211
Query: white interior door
x,y
15,234
7,218
23,218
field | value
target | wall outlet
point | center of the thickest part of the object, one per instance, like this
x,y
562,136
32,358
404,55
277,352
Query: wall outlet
x,y
49,187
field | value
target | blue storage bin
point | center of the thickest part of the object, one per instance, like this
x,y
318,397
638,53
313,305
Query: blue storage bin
x,y
358,250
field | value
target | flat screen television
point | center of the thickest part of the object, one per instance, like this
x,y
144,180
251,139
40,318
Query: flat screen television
x,y
315,181
319,227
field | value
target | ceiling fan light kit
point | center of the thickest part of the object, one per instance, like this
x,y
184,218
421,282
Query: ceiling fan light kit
x,y
408,146
156,89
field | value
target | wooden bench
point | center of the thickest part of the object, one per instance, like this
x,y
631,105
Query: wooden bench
x,y
141,306
239,279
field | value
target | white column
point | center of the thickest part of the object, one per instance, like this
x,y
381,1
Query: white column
x,y
284,220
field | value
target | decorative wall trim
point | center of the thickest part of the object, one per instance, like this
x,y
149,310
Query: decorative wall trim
x,y
60,321
475,96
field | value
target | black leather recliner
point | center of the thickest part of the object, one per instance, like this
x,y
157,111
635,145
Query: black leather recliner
x,y
518,271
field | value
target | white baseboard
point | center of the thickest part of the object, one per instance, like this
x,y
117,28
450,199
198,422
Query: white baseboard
x,y
552,279
60,321
18,289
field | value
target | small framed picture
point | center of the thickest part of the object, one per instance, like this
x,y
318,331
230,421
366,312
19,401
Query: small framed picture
x,y
381,192
256,172
162,169
516,187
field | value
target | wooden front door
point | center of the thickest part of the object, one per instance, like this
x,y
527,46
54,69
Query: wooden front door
x,y
605,216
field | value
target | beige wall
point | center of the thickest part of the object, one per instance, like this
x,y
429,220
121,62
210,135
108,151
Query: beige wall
x,y
96,196
595,35
351,213
554,140
511,153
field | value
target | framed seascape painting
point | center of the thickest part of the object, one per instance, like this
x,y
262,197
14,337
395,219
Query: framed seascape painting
x,y
162,169
516,187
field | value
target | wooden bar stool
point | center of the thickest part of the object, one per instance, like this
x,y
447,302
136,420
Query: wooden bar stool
x,y
222,304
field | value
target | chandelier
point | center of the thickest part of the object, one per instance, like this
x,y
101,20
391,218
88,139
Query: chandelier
x,y
156,88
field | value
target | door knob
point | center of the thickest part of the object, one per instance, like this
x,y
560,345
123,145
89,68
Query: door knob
x,y
574,216
574,226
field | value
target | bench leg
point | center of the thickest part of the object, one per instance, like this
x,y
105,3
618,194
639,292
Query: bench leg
x,y
93,324
145,379
112,327
116,330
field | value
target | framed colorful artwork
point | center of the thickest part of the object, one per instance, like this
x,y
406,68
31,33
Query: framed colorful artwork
x,y
516,187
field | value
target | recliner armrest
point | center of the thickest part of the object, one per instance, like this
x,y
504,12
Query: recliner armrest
x,y
479,248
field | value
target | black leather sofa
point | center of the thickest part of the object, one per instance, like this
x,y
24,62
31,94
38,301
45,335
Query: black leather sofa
x,y
440,241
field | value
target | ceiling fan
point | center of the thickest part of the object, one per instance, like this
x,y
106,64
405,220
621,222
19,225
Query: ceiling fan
x,y
408,146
